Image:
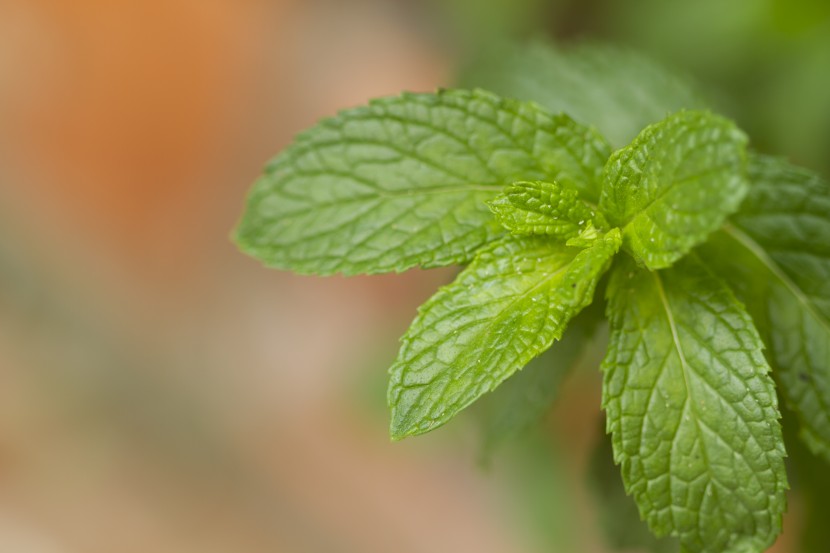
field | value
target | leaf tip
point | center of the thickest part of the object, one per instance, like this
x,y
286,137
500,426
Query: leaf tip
x,y
409,419
240,236
237,234
400,423
401,426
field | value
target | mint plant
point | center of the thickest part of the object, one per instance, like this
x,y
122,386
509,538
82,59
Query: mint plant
x,y
717,261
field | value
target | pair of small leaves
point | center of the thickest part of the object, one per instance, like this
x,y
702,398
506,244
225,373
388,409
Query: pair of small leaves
x,y
404,182
667,191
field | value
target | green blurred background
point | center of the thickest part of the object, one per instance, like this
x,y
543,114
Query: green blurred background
x,y
161,392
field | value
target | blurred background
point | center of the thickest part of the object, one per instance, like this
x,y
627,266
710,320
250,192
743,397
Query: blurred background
x,y
160,392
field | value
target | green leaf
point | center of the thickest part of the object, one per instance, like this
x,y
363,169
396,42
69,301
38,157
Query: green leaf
x,y
674,185
776,256
618,515
506,308
692,409
617,90
542,208
403,181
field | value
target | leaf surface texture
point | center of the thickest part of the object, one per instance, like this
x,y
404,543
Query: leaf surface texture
x,y
674,185
692,410
506,308
775,254
542,208
402,182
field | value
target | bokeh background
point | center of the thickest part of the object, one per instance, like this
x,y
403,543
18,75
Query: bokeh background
x,y
160,392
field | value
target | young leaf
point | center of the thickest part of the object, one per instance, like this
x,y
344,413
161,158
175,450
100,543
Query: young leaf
x,y
776,256
403,181
586,237
692,409
542,208
506,308
674,185
617,90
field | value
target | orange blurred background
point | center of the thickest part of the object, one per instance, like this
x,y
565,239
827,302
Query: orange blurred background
x,y
159,391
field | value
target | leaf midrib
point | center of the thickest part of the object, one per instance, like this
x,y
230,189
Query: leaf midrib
x,y
393,195
643,211
664,300
758,251
487,330
755,249
553,125
521,297
686,369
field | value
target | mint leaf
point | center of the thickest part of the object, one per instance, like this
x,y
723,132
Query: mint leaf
x,y
617,90
776,256
587,236
692,409
403,181
674,185
506,308
542,208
